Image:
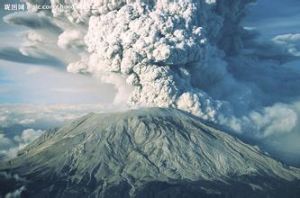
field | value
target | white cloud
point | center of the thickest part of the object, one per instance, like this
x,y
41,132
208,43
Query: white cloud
x,y
10,147
28,136
290,41
29,115
278,119
4,142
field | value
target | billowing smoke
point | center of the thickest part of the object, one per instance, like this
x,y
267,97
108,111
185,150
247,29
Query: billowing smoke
x,y
166,51
153,46
188,54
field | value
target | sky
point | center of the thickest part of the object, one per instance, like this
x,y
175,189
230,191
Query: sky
x,y
37,92
274,17
36,80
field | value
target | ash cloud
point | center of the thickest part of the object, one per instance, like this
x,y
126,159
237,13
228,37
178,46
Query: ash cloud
x,y
153,46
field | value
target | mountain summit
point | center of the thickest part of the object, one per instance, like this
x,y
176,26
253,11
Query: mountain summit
x,y
151,152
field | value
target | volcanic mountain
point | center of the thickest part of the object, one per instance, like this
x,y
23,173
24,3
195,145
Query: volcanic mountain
x,y
152,152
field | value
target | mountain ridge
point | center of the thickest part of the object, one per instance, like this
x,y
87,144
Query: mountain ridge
x,y
145,149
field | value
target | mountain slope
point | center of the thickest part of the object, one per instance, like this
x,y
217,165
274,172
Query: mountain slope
x,y
147,153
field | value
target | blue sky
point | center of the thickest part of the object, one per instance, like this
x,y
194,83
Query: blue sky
x,y
273,17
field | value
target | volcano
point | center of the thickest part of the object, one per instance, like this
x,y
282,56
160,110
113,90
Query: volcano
x,y
152,152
